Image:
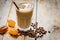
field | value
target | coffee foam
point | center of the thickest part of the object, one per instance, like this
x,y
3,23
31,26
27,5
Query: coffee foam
x,y
25,7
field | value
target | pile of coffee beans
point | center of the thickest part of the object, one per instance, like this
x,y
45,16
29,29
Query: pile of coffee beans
x,y
34,25
38,32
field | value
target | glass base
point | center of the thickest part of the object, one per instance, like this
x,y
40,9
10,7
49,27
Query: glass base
x,y
24,29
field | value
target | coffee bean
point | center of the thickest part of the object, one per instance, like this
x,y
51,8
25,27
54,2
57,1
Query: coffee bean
x,y
39,32
41,36
31,25
41,28
48,31
43,32
35,38
35,27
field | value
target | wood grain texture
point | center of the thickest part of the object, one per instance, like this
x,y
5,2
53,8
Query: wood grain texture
x,y
4,8
7,36
1,37
45,16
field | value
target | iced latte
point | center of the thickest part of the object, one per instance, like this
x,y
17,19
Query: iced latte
x,y
24,14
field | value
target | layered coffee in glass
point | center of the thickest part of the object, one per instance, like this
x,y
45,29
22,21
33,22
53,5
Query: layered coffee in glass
x,y
24,14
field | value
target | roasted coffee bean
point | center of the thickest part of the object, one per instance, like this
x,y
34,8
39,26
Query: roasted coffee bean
x,y
34,24
41,28
39,32
44,32
36,38
35,27
31,25
41,35
48,31
31,31
32,35
18,30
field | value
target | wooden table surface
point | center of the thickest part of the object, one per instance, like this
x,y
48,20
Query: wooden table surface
x,y
46,11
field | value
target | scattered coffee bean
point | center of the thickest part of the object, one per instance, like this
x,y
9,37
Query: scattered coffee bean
x,y
41,28
36,38
31,25
37,30
41,35
48,31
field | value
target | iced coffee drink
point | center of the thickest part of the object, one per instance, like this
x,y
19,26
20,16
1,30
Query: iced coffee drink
x,y
24,14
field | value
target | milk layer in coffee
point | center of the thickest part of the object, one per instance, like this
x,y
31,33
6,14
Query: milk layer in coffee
x,y
24,14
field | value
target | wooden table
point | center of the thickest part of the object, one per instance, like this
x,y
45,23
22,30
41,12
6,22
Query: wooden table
x,y
45,18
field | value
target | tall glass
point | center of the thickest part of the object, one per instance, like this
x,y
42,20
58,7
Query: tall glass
x,y
24,14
